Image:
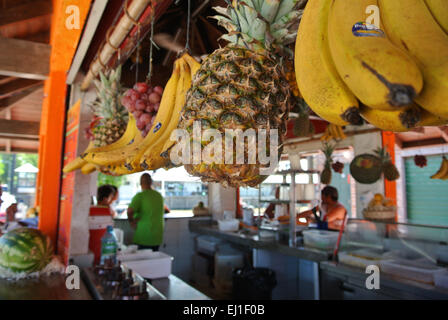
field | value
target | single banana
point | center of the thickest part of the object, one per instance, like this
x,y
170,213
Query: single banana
x,y
193,64
133,151
318,80
88,168
152,159
400,120
128,136
443,171
78,162
431,120
439,10
333,132
381,75
410,24
341,133
194,67
73,165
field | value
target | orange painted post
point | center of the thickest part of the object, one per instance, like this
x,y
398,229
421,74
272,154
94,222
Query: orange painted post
x,y
67,23
390,187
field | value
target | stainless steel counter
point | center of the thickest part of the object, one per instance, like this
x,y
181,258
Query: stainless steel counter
x,y
347,282
44,288
173,288
207,227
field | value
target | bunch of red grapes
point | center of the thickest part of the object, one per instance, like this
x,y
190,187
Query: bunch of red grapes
x,y
143,101
420,161
338,167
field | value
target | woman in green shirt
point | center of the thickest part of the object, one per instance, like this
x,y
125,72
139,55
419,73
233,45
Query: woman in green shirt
x,y
145,213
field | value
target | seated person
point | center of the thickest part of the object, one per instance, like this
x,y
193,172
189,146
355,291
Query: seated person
x,y
331,210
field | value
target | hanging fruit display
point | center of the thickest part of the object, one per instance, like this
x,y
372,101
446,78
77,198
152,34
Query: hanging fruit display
x,y
420,161
135,152
326,175
333,132
347,69
389,169
111,118
243,85
442,173
366,168
143,101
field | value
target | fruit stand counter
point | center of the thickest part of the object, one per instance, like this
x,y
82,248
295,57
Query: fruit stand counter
x,y
44,288
345,282
207,227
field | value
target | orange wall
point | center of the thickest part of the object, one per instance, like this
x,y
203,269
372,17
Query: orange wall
x,y
64,42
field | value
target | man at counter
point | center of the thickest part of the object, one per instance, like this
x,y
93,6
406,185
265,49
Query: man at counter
x,y
331,211
145,213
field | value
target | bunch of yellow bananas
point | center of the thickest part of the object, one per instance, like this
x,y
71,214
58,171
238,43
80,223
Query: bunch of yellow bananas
x,y
442,173
333,132
132,152
381,60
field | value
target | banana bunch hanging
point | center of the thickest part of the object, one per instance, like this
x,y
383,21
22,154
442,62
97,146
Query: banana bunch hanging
x,y
392,72
133,152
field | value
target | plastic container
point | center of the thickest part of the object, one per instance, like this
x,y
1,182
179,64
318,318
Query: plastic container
x,y
441,279
415,270
229,225
152,265
320,239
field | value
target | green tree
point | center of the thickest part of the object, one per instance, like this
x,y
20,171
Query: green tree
x,y
23,158
105,179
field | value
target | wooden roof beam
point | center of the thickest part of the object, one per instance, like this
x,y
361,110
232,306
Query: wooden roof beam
x,y
24,59
25,11
16,86
15,129
9,102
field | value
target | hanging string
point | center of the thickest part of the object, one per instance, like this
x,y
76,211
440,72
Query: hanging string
x,y
137,62
149,76
187,44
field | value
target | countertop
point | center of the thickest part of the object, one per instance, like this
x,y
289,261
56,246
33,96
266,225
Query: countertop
x,y
170,288
395,286
44,288
173,288
208,227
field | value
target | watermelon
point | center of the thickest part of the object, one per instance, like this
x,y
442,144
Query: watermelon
x,y
25,250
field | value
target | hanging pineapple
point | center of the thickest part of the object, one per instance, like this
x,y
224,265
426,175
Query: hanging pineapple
x,y
389,170
111,117
326,175
243,85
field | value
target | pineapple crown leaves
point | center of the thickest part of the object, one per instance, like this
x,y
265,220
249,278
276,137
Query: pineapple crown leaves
x,y
383,155
328,150
109,94
261,24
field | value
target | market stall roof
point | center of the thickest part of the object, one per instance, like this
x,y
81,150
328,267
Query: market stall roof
x,y
24,45
27,168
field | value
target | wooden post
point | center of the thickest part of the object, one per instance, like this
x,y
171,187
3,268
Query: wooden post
x,y
63,43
